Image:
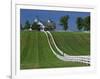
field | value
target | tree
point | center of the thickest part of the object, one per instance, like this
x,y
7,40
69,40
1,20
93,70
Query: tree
x,y
64,22
50,25
27,25
35,26
79,23
87,23
21,27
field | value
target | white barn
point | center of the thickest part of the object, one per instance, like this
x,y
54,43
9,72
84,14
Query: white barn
x,y
42,26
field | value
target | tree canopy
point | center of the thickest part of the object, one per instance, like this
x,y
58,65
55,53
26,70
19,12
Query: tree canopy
x,y
27,25
83,23
35,26
50,25
64,22
79,23
87,23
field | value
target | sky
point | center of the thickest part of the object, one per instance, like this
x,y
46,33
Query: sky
x,y
44,15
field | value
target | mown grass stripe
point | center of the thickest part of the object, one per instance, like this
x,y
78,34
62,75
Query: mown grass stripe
x,y
73,43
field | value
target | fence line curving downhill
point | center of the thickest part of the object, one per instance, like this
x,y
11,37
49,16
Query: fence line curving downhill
x,y
63,56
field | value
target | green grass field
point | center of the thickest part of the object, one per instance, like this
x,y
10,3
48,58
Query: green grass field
x,y
73,43
36,53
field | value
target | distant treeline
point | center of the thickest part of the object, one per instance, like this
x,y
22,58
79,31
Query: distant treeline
x,y
83,24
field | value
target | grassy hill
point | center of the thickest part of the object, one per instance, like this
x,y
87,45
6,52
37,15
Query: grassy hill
x,y
73,43
36,53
